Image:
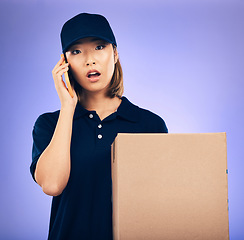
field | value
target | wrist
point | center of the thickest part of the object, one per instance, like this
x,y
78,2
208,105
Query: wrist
x,y
67,109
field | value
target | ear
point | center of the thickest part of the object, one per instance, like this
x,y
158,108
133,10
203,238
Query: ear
x,y
116,55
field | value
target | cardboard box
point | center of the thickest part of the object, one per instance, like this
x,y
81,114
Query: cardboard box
x,y
170,186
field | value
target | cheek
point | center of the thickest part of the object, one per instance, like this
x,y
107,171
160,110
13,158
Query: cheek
x,y
110,66
76,70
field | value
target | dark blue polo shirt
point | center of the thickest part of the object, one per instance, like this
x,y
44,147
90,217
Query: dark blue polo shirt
x,y
84,209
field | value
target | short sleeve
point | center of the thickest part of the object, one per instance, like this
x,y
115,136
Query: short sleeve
x,y
152,123
161,126
42,134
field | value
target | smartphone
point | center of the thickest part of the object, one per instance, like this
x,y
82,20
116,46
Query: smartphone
x,y
66,77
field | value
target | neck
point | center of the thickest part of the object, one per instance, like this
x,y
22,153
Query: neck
x,y
99,102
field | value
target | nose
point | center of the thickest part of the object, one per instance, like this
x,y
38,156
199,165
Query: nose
x,y
90,62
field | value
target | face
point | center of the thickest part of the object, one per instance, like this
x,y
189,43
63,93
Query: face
x,y
92,55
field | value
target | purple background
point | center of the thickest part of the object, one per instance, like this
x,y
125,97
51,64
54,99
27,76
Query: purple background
x,y
182,59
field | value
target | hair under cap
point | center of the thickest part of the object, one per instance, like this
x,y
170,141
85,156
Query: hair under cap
x,y
86,25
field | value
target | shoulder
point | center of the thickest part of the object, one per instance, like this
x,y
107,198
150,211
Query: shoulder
x,y
149,120
47,120
148,115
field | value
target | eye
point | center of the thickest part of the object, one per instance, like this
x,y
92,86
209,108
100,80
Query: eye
x,y
75,52
100,47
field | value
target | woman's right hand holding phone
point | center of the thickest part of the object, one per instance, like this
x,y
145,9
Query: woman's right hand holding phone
x,y
65,98
53,167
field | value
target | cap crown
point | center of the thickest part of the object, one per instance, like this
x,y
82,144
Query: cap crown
x,y
86,25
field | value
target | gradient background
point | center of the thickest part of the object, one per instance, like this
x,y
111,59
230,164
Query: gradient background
x,y
182,59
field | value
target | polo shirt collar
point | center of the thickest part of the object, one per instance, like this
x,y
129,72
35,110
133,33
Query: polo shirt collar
x,y
80,111
126,110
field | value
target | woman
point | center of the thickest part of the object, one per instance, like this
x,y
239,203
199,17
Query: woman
x,y
71,147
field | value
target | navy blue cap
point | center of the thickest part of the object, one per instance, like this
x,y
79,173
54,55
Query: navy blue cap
x,y
86,25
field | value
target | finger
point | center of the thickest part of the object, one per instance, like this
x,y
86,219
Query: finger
x,y
58,77
59,68
59,63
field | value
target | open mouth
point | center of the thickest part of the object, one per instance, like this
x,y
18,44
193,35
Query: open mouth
x,y
93,75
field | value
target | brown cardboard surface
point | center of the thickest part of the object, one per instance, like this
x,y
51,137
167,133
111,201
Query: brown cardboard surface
x,y
170,186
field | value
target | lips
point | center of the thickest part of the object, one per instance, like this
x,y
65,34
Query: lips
x,y
93,73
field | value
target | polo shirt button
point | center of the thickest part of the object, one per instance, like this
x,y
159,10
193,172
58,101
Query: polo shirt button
x,y
99,126
99,136
90,115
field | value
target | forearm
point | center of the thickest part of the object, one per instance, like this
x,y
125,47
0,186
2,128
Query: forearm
x,y
53,167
